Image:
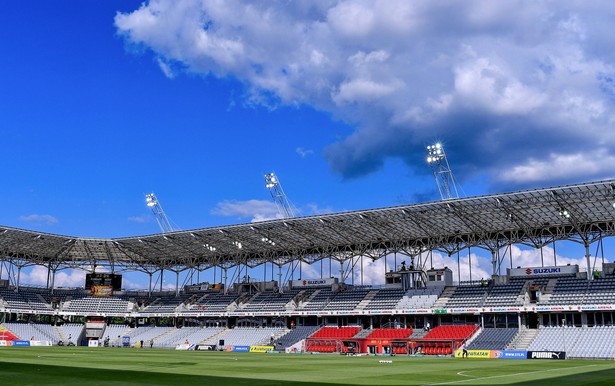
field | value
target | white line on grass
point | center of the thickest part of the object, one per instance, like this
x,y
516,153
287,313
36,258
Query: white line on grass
x,y
507,375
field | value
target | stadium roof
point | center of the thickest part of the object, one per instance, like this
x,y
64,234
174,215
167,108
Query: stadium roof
x,y
580,212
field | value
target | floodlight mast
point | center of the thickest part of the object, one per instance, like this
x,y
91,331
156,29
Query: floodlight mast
x,y
272,182
436,158
152,202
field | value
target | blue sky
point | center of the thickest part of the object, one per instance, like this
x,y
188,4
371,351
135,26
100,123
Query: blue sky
x,y
104,102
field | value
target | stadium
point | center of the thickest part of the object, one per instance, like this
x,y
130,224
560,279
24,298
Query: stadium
x,y
550,313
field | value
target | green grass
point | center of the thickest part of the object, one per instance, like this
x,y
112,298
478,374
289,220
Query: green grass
x,y
118,366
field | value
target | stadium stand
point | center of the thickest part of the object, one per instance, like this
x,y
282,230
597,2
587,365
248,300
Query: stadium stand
x,y
567,290
295,335
317,300
467,296
328,339
115,332
385,299
269,301
505,294
578,342
164,304
420,298
214,301
147,333
601,291
444,340
192,335
91,304
33,331
23,300
72,332
390,333
247,336
493,339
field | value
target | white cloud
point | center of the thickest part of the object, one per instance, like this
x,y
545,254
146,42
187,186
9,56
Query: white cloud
x,y
362,90
140,219
165,68
37,276
562,166
39,219
507,84
315,209
257,210
481,83
304,152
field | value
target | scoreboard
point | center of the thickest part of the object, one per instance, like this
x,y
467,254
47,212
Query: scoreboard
x,y
103,279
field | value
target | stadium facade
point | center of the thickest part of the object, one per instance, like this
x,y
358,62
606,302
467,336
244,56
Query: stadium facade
x,y
420,309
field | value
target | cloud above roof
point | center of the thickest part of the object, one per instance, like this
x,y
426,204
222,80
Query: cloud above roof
x,y
516,90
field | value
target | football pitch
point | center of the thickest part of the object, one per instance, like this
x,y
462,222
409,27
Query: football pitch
x,y
129,366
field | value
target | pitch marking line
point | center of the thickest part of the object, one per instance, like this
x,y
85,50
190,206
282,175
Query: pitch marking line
x,y
506,375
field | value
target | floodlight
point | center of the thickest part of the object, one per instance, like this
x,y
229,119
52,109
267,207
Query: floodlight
x,y
436,158
152,202
150,199
272,182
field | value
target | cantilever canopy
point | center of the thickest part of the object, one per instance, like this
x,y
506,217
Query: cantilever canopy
x,y
581,212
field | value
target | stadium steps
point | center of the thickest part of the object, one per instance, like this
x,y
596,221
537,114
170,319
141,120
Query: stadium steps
x,y
547,292
368,298
549,287
276,336
485,295
523,339
443,299
60,333
41,299
418,333
523,297
363,333
166,333
214,338
292,303
474,336
66,304
309,299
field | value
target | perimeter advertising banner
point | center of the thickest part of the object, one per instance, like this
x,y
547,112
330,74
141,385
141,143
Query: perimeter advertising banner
x,y
40,343
313,283
509,354
261,348
543,271
546,355
482,354
493,354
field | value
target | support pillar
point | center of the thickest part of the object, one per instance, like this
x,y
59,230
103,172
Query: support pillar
x,y
53,279
19,276
149,292
589,264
